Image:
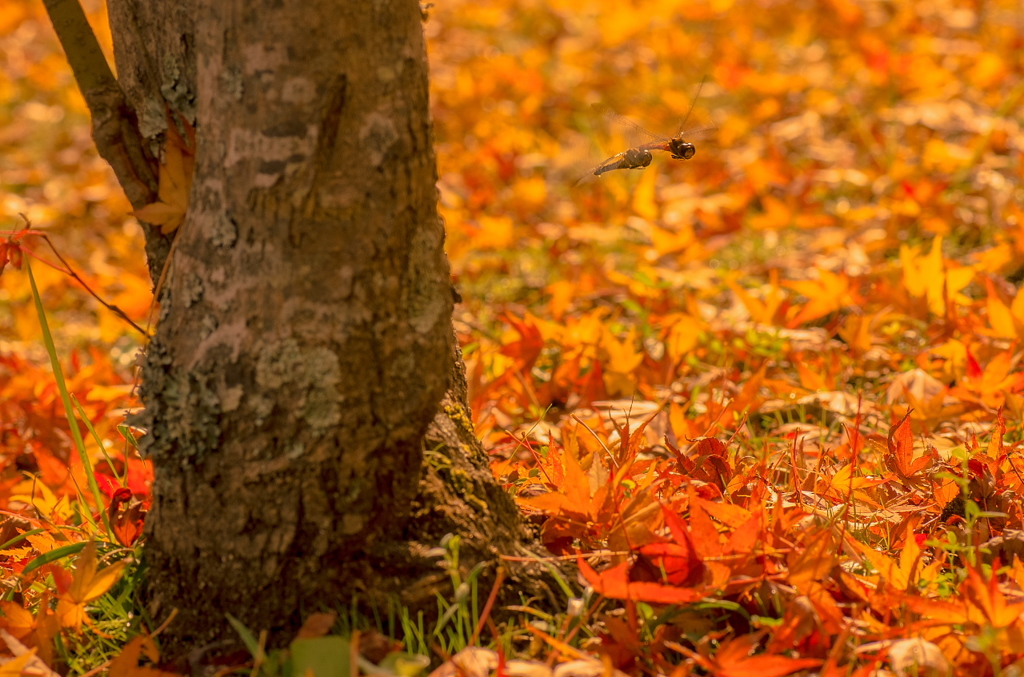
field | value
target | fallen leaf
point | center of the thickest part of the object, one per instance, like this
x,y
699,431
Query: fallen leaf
x,y
89,583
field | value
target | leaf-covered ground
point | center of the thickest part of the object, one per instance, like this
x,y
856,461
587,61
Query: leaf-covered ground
x,y
769,398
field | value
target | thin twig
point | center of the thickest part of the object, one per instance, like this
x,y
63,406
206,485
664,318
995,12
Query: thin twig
x,y
486,614
115,128
163,626
69,271
163,277
98,669
109,306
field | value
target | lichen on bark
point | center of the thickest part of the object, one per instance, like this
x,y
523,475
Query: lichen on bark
x,y
299,371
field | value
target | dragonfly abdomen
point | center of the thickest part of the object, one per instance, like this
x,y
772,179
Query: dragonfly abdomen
x,y
634,158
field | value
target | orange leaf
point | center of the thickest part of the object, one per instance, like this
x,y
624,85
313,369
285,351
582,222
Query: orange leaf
x,y
678,560
127,662
746,536
673,563
615,583
36,631
900,456
576,484
734,659
126,516
814,564
767,666
176,172
17,620
728,514
703,530
827,294
527,349
986,597
317,625
770,307
777,215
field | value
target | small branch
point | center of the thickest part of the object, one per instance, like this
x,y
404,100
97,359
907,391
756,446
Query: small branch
x,y
69,271
114,125
109,306
485,615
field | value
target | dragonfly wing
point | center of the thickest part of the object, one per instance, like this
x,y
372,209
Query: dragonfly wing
x,y
612,163
577,160
626,130
698,131
697,124
589,177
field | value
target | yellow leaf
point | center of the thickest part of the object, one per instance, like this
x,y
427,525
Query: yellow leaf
x,y
562,292
88,584
999,316
623,357
644,203
43,542
175,183
161,214
683,336
928,276
856,331
16,666
667,241
53,508
940,156
846,484
1006,321
920,272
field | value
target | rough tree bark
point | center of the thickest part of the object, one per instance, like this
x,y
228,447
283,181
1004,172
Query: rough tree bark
x,y
304,357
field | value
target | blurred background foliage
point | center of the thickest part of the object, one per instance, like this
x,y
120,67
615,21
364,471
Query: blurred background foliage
x,y
843,250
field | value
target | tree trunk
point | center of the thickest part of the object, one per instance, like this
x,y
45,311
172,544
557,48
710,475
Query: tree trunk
x,y
304,352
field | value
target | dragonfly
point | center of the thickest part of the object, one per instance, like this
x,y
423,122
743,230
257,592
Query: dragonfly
x,y
642,142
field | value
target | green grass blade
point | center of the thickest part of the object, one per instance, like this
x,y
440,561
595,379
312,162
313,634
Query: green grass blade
x,y
54,555
69,411
249,639
99,442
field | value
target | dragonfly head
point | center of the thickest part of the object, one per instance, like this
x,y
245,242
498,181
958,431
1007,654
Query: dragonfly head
x,y
681,150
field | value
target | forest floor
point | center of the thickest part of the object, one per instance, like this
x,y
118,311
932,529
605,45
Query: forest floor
x,y
770,397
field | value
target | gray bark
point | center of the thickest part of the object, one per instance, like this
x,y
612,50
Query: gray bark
x,y
304,353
